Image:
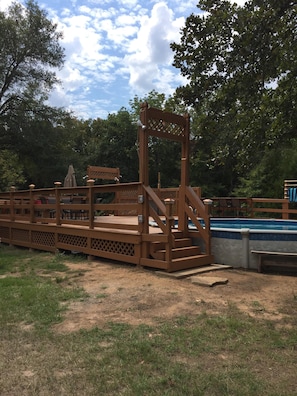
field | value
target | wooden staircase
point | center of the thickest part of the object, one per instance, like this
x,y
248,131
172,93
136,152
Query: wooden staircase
x,y
184,254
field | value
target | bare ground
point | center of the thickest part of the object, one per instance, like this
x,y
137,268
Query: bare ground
x,y
126,294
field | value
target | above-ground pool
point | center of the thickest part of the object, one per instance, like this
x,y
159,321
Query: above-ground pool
x,y
253,224
233,239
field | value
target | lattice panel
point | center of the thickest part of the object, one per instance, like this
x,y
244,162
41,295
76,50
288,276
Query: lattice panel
x,y
130,195
168,127
73,240
124,248
43,238
167,194
4,232
97,172
20,235
127,196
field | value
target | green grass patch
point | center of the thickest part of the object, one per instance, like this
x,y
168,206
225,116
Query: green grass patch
x,y
26,295
227,354
33,300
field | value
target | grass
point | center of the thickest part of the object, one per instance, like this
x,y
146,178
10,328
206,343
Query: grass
x,y
226,354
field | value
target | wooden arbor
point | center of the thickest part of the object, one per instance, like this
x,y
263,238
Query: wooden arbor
x,y
165,125
171,255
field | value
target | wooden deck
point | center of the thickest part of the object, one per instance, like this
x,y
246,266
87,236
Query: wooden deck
x,y
66,226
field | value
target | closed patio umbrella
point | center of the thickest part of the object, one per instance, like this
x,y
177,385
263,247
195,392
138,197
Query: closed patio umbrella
x,y
70,179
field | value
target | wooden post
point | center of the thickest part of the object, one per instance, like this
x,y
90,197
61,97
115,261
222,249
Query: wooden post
x,y
208,203
143,145
169,224
169,202
58,203
11,203
143,218
32,214
182,218
285,209
90,184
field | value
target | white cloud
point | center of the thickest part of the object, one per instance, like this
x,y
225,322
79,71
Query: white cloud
x,y
5,4
150,54
239,2
115,50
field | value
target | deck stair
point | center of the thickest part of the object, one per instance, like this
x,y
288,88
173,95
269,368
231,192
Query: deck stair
x,y
184,254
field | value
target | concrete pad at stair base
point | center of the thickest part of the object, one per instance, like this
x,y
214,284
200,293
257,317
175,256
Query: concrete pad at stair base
x,y
193,271
208,280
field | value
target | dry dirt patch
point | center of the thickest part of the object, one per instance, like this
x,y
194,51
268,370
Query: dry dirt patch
x,y
121,293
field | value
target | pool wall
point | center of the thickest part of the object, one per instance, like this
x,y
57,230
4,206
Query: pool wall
x,y
234,246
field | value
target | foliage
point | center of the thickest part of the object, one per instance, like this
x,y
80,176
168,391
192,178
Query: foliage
x,y
11,170
240,63
110,143
30,52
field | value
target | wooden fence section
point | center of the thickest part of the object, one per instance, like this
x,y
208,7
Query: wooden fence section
x,y
287,185
253,207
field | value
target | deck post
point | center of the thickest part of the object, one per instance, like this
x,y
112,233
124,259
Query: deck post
x,y
58,203
182,218
170,223
11,197
143,145
90,184
32,214
11,209
143,220
285,209
169,202
208,203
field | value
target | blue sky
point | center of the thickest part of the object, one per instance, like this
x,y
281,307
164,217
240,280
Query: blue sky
x,y
115,50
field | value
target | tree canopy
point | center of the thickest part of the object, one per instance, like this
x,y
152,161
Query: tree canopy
x,y
241,93
240,63
30,53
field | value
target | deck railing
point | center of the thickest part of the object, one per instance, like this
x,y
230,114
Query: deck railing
x,y
61,205
254,207
84,205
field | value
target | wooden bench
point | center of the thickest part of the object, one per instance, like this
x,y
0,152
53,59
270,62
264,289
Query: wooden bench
x,y
276,259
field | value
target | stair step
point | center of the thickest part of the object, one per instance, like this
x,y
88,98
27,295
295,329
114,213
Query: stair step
x,y
177,234
181,252
187,273
179,243
183,242
191,262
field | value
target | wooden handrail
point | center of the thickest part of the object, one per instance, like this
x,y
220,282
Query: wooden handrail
x,y
164,219
196,209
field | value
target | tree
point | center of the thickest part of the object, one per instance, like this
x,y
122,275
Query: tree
x,y
241,66
11,170
29,54
112,143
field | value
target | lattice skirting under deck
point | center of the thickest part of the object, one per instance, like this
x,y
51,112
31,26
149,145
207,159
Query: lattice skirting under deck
x,y
45,240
